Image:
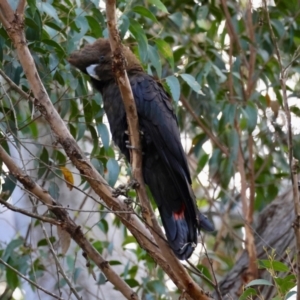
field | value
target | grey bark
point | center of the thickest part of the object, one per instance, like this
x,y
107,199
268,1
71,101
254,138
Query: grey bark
x,y
273,232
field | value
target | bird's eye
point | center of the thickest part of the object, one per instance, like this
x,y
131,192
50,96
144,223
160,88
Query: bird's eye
x,y
101,58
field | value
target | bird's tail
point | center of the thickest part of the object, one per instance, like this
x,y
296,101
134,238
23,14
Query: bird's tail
x,y
204,223
181,232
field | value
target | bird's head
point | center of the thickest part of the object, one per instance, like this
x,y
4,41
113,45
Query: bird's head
x,y
96,60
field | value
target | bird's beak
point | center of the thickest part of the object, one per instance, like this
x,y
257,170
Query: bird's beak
x,y
91,70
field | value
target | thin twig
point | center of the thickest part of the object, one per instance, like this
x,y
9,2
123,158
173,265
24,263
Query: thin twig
x,y
197,272
30,214
201,124
28,280
61,270
233,36
252,58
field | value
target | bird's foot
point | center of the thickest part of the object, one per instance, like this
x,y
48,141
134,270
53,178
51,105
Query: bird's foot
x,y
120,190
123,189
128,146
140,131
133,184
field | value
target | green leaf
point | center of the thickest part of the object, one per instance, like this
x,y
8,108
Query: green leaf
x,y
233,143
103,225
177,19
296,110
248,293
104,134
53,25
43,242
88,112
296,146
95,139
98,246
159,5
285,284
274,265
191,81
290,294
115,263
113,171
250,113
128,240
59,157
32,5
47,8
76,274
123,25
12,279
95,27
1,52
102,279
53,190
156,286
43,162
155,59
259,282
132,282
166,51
133,271
138,32
34,27
98,165
11,247
81,128
8,187
82,24
279,266
221,75
143,11
173,83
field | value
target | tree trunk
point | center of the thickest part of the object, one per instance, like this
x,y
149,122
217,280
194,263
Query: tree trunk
x,y
273,232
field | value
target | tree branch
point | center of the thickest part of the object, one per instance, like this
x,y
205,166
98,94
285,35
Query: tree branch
x,y
68,225
21,8
249,237
14,86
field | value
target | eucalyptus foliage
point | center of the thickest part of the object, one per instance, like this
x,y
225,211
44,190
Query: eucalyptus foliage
x,y
186,45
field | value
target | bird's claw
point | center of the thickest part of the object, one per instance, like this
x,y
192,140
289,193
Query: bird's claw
x,y
123,189
133,184
140,131
128,201
120,190
128,146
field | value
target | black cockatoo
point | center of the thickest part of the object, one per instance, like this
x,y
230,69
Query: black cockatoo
x,y
165,167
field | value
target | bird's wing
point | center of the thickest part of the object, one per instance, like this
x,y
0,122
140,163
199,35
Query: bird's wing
x,y
157,116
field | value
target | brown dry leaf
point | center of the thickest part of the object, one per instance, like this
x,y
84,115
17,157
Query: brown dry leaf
x,y
268,99
64,239
275,106
68,177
